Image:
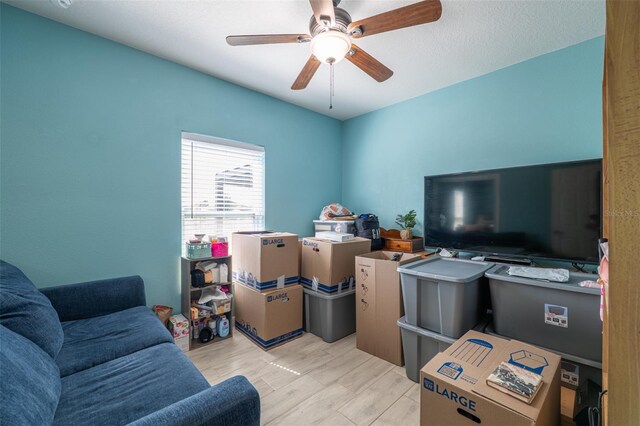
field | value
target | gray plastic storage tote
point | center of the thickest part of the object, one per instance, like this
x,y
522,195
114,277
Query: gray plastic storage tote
x,y
419,346
330,317
574,370
448,296
562,317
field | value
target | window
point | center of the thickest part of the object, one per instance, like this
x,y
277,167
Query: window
x,y
222,186
458,209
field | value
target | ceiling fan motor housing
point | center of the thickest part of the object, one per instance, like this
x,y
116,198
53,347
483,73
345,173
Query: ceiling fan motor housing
x,y
343,19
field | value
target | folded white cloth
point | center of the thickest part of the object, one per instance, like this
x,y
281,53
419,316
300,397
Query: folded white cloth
x,y
211,293
557,275
206,265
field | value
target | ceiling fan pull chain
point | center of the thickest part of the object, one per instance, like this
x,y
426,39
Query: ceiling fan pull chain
x,y
331,86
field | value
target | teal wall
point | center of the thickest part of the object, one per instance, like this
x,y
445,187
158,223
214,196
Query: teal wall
x,y
546,109
90,146
90,154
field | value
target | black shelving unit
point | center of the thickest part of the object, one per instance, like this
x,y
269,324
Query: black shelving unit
x,y
189,293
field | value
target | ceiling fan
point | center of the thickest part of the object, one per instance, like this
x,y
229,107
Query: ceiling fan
x,y
331,31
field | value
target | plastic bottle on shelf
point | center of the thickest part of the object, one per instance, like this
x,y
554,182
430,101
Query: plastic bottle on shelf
x,y
223,326
213,325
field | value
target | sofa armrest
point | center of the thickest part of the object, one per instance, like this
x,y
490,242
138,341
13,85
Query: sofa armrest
x,y
95,298
234,402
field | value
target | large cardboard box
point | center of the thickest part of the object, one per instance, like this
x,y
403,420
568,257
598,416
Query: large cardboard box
x,y
329,266
265,260
379,304
567,406
454,391
300,257
269,318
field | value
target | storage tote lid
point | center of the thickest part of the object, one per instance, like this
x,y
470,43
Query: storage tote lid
x,y
446,269
332,296
349,222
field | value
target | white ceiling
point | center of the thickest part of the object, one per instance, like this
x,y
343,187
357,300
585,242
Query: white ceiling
x,y
473,37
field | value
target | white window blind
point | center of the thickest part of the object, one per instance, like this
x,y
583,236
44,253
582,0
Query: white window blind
x,y
222,186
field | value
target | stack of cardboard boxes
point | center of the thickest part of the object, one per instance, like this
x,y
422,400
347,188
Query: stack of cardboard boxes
x,y
328,275
266,269
268,296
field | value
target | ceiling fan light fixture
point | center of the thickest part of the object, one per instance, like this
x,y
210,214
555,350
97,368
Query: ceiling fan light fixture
x,y
330,46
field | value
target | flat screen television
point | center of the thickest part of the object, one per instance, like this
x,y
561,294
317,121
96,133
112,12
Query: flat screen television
x,y
548,211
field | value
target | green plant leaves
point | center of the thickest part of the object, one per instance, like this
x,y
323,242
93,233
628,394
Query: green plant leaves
x,y
407,221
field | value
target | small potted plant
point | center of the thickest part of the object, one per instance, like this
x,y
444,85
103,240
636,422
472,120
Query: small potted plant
x,y
406,222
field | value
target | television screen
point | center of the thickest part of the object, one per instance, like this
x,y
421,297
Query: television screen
x,y
550,211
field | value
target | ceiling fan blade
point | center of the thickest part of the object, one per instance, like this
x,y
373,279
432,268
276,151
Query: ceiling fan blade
x,y
323,11
245,40
368,64
415,14
306,74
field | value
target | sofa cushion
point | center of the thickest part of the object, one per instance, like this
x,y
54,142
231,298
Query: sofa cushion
x,y
94,341
26,311
30,384
128,388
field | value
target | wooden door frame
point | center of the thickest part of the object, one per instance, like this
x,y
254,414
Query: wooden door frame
x,y
621,205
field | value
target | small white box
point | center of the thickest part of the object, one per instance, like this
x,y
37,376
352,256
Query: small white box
x,y
338,237
344,226
179,326
182,343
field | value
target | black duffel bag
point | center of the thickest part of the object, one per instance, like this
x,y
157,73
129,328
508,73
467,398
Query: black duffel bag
x,y
367,226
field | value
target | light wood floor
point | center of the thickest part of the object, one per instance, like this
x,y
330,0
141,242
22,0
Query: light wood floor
x,y
310,382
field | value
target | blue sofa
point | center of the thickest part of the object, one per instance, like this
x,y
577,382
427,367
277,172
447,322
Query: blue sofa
x,y
93,353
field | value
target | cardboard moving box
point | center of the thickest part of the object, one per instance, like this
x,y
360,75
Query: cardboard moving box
x,y
329,266
379,304
269,318
567,406
265,260
300,257
453,388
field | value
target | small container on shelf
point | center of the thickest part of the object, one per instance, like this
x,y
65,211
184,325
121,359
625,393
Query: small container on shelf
x,y
220,249
223,306
223,326
209,272
198,250
197,278
196,326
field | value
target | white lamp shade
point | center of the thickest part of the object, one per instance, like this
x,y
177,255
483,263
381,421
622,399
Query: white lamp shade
x,y
330,46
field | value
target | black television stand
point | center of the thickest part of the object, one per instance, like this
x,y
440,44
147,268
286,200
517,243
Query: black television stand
x,y
511,260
